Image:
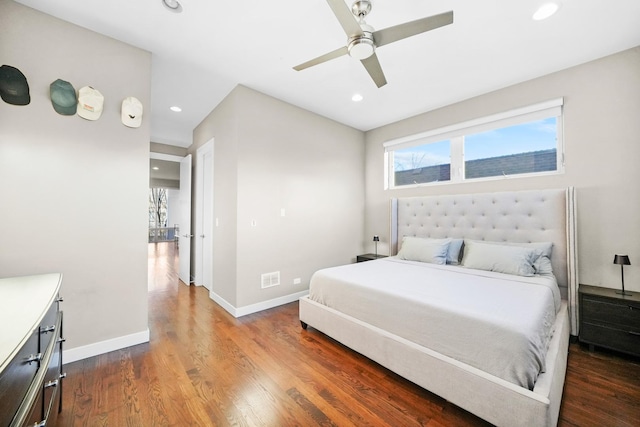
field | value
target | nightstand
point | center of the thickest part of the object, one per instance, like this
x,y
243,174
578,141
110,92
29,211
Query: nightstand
x,y
368,257
610,320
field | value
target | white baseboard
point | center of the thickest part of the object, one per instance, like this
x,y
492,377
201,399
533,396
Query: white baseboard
x,y
254,308
86,351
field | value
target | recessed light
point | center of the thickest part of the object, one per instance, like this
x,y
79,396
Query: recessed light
x,y
155,168
175,108
357,97
172,5
545,11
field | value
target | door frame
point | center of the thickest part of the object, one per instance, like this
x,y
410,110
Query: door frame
x,y
185,237
199,264
177,159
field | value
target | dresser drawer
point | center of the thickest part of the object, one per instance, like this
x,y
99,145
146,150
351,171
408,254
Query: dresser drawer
x,y
35,412
52,379
624,314
16,379
49,327
41,395
612,338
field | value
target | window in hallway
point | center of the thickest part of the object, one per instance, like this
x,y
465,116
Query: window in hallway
x,y
162,226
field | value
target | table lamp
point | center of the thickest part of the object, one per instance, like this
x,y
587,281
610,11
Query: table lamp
x,y
622,260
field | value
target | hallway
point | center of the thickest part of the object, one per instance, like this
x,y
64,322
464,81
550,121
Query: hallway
x,y
163,266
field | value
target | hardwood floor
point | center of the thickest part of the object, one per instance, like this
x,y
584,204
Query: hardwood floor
x,y
203,367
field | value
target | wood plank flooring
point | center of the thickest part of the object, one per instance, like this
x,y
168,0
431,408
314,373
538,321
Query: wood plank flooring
x,y
202,367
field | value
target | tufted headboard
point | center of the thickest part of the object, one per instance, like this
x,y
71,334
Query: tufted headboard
x,y
519,216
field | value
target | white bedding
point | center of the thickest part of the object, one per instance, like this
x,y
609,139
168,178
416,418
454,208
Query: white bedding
x,y
498,323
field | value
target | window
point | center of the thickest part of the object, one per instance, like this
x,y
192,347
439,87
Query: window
x,y
159,231
522,142
423,163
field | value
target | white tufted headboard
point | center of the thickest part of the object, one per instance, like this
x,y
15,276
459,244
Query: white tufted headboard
x,y
520,216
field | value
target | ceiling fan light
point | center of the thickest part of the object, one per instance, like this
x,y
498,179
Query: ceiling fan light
x,y
361,48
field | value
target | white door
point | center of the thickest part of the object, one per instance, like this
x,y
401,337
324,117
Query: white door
x,y
185,220
207,218
204,216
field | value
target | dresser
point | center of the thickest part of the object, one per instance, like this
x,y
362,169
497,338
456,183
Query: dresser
x,y
610,320
30,350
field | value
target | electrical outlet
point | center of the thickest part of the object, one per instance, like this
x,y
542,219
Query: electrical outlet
x,y
297,281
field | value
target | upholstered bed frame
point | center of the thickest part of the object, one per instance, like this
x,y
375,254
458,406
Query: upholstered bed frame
x,y
527,216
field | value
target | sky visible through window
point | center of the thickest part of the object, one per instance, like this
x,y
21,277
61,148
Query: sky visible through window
x,y
522,138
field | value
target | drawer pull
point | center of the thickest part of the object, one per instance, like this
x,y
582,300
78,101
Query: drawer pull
x,y
53,383
48,329
60,339
62,375
34,358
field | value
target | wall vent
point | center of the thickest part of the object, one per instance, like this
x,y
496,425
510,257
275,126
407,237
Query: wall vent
x,y
270,279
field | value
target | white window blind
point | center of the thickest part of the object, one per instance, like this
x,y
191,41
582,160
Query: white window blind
x,y
529,113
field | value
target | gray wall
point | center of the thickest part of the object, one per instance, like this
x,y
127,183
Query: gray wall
x,y
268,156
74,192
602,148
222,123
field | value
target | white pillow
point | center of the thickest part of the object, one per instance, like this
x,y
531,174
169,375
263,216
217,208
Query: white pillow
x,y
433,251
542,264
507,259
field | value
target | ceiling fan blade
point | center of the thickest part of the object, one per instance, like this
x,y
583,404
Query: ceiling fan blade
x,y
323,58
408,29
374,69
345,17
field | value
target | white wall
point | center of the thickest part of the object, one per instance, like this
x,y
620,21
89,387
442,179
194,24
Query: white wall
x,y
279,156
602,148
74,192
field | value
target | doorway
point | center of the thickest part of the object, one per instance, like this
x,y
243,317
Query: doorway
x,y
170,206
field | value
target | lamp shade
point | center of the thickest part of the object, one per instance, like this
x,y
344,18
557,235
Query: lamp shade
x,y
621,260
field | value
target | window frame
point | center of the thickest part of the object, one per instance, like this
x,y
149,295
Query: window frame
x,y
456,133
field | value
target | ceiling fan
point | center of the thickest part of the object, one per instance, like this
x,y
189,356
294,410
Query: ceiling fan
x,y
363,39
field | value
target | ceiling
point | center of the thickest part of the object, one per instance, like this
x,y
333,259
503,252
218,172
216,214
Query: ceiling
x,y
201,54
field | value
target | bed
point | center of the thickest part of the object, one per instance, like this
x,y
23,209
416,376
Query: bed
x,y
357,304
